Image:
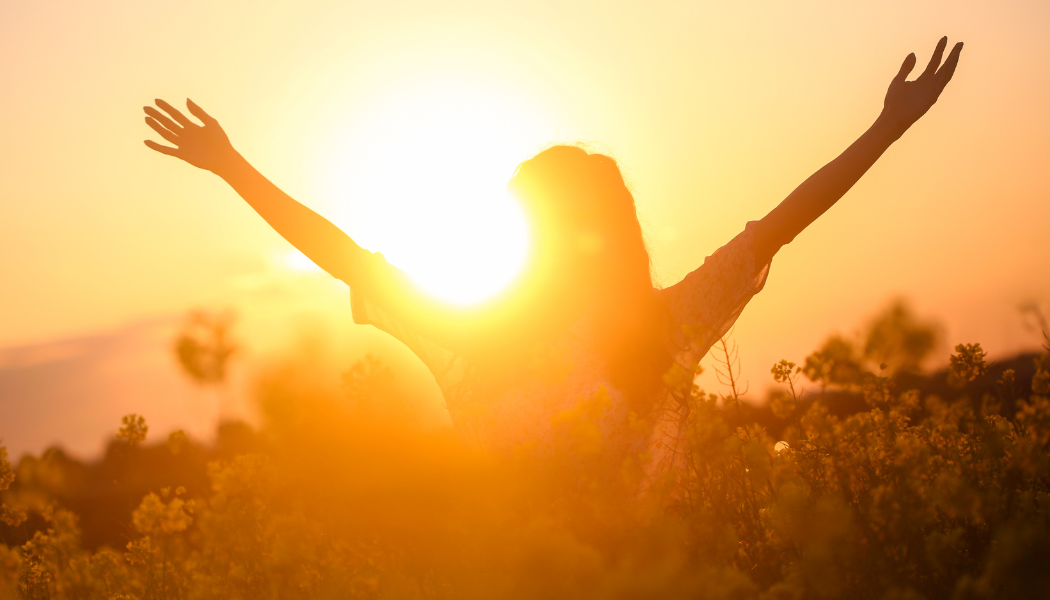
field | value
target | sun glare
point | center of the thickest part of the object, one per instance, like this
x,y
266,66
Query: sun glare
x,y
421,175
297,261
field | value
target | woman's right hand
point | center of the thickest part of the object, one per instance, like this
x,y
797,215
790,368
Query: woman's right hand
x,y
203,146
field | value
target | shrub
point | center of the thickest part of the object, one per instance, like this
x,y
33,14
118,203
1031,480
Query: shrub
x,y
915,496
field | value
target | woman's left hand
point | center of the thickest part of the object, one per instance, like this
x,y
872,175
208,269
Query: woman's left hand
x,y
907,101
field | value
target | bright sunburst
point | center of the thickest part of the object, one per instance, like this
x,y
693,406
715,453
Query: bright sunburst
x,y
421,177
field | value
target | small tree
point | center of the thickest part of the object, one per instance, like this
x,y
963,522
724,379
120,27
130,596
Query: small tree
x,y
204,347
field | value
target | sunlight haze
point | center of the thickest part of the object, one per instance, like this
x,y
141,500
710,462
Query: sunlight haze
x,y
421,172
403,121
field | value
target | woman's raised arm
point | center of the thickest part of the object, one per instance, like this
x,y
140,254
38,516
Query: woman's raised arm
x,y
208,147
906,102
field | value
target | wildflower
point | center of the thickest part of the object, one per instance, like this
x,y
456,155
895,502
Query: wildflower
x,y
7,474
139,551
1041,379
9,516
967,364
1006,381
133,429
786,372
783,371
153,516
34,580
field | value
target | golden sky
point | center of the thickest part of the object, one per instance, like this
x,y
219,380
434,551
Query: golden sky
x,y
714,110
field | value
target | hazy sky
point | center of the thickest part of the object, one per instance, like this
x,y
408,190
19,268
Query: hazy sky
x,y
716,111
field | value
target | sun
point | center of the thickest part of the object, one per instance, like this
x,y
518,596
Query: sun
x,y
420,175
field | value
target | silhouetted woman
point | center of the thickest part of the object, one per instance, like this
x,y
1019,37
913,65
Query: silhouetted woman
x,y
578,355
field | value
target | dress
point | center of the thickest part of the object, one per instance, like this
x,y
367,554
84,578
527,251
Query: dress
x,y
573,399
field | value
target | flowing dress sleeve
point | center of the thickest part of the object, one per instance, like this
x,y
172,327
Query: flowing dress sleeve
x,y
707,302
703,308
383,296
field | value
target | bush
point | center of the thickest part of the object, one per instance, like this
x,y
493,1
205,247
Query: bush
x,y
918,495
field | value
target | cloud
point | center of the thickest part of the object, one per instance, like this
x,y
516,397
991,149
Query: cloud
x,y
74,391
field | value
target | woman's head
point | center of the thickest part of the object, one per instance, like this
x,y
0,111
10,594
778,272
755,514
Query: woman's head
x,y
584,223
589,255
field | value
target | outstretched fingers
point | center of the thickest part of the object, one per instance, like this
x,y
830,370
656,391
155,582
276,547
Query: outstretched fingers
x,y
175,114
162,149
164,133
906,67
198,112
935,60
161,118
944,75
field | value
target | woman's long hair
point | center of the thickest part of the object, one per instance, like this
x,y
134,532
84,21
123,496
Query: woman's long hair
x,y
590,259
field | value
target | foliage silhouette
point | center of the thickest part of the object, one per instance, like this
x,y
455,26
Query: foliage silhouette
x,y
916,495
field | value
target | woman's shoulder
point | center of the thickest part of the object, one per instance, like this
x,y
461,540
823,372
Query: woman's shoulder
x,y
706,303
727,272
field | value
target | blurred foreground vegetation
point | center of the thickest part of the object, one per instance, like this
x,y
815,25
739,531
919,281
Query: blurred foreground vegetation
x,y
877,481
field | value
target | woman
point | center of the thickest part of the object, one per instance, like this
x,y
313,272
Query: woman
x,y
581,355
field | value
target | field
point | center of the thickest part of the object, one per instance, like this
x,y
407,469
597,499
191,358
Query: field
x,y
877,481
